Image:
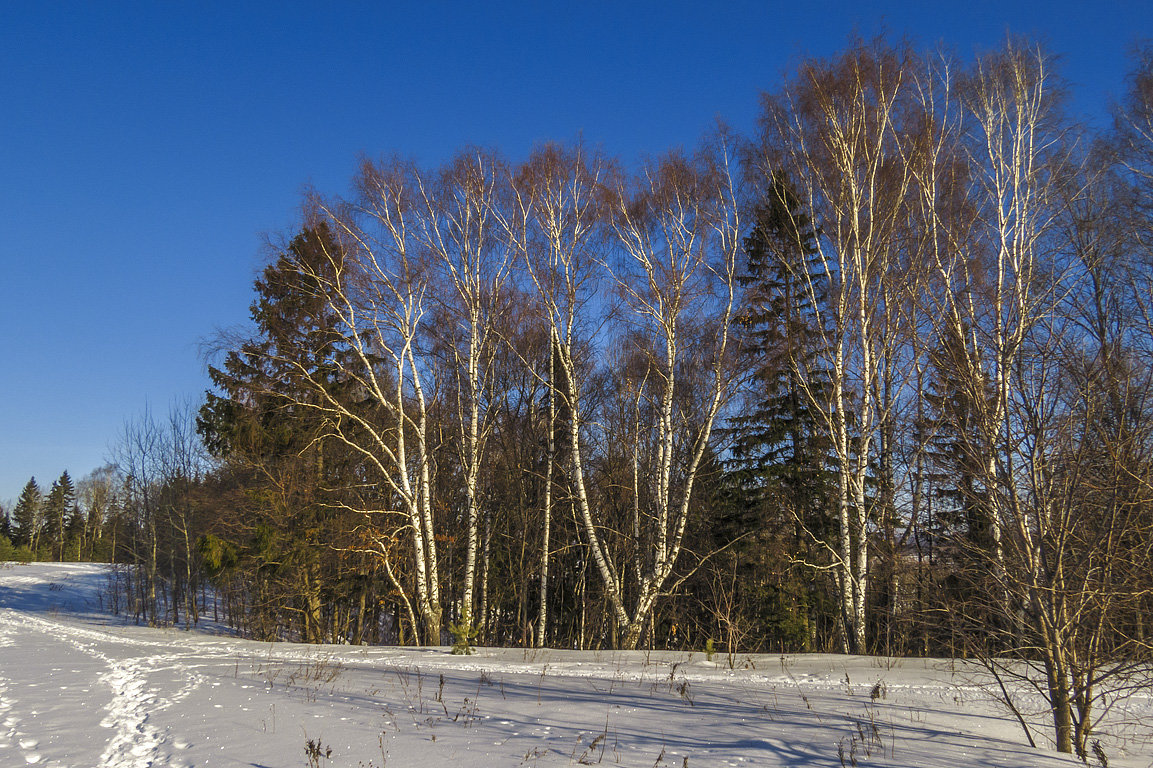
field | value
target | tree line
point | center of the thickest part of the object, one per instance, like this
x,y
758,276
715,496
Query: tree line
x,y
875,379
66,524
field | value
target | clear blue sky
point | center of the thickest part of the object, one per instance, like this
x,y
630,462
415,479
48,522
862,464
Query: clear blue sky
x,y
146,147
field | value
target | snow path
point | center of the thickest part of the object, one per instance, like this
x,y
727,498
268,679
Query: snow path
x,y
79,689
135,742
120,681
9,735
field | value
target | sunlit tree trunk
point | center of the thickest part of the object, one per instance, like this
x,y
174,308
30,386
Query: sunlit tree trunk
x,y
460,225
546,510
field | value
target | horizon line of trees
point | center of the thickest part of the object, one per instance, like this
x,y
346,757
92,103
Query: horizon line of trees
x,y
877,379
66,523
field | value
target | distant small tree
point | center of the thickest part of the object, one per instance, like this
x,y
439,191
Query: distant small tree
x,y
96,497
26,515
5,524
58,508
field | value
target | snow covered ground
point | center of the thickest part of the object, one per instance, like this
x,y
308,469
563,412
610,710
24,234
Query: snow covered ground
x,y
79,688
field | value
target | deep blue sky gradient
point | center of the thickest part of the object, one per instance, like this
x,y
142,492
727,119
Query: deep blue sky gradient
x,y
146,147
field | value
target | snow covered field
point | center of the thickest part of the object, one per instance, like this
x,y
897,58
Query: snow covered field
x,y
79,688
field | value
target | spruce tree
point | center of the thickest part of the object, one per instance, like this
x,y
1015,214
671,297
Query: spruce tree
x,y
956,447
961,537
259,421
57,507
26,516
782,467
779,449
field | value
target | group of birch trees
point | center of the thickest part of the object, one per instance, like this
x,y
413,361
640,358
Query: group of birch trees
x,y
876,333
457,328
976,278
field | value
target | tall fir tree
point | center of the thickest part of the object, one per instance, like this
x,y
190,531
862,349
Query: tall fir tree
x,y
960,540
779,450
956,448
782,468
58,506
26,516
260,422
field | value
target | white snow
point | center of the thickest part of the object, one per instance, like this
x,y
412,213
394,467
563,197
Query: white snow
x,y
80,688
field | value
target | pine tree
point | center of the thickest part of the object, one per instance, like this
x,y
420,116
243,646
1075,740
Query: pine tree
x,y
26,516
57,507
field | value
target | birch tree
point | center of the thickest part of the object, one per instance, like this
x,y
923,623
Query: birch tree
x,y
1009,102
556,227
679,233
372,394
460,226
674,240
835,130
381,299
138,456
1037,467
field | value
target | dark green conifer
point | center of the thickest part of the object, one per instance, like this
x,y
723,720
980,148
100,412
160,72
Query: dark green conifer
x,y
26,516
780,453
260,420
58,506
782,470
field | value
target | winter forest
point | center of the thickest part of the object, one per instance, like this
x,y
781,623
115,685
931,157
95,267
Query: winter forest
x,y
874,379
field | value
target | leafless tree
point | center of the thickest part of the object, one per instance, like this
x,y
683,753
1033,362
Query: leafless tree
x,y
679,234
669,246
96,494
138,457
459,222
556,226
836,129
1057,410
374,279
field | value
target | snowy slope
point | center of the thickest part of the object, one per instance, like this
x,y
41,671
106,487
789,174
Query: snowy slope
x,y
79,688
